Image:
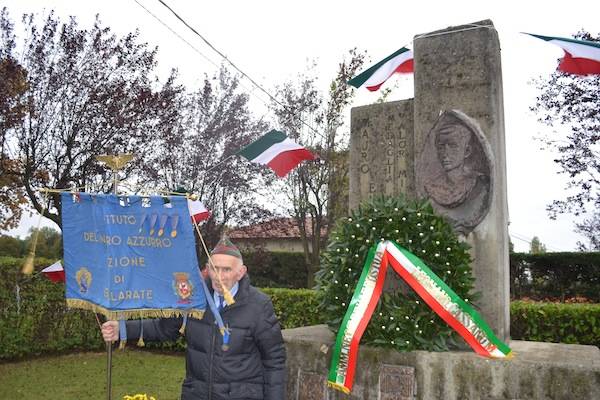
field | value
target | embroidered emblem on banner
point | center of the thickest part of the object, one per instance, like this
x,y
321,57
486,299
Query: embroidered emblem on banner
x,y
183,287
84,279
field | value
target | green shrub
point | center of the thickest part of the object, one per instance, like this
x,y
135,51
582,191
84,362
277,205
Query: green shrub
x,y
555,322
33,316
295,307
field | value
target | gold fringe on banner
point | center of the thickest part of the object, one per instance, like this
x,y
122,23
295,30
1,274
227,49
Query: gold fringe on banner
x,y
133,314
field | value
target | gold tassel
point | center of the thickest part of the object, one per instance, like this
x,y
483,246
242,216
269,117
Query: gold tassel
x,y
140,342
338,386
28,265
27,268
228,297
183,324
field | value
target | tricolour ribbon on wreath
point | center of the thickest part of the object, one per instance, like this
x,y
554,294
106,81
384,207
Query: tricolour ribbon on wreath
x,y
441,298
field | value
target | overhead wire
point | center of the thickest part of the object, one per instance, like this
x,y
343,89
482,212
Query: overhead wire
x,y
528,240
251,91
177,34
263,90
224,57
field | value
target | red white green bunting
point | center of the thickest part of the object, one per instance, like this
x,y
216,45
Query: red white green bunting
x,y
443,300
401,61
582,57
276,151
198,211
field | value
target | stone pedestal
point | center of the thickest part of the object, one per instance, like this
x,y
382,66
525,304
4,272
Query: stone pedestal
x,y
548,371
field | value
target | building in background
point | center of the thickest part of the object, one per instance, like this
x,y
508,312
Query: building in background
x,y
276,235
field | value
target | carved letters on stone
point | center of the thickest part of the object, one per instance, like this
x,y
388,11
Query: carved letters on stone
x,y
380,151
454,170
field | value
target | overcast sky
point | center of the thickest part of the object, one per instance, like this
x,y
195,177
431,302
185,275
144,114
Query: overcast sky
x,y
272,41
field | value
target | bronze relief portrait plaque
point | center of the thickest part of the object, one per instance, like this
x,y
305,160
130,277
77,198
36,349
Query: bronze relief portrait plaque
x,y
454,170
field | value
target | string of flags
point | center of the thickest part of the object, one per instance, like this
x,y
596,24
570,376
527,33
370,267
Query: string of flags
x,y
282,154
582,57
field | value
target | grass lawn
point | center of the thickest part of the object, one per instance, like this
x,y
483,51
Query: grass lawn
x,y
83,376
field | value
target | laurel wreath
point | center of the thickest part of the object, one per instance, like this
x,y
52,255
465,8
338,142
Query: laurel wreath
x,y
401,320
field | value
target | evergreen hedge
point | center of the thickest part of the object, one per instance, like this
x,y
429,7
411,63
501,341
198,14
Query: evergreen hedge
x,y
555,322
35,321
33,317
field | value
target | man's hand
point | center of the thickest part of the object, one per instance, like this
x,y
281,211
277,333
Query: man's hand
x,y
110,331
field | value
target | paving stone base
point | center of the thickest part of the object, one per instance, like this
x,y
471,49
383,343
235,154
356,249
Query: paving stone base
x,y
546,371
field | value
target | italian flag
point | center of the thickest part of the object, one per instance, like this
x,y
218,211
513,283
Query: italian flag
x,y
276,151
582,57
198,211
399,62
55,272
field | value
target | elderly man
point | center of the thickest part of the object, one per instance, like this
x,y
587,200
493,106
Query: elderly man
x,y
251,365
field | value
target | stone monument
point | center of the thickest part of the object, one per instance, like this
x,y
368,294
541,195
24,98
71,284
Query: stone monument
x,y
447,145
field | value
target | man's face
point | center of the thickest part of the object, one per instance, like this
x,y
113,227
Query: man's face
x,y
228,268
452,148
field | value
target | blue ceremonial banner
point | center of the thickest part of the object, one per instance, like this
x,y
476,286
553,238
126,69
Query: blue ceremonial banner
x,y
130,256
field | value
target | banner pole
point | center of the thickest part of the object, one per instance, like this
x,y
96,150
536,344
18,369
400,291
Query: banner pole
x,y
114,162
108,370
109,343
226,294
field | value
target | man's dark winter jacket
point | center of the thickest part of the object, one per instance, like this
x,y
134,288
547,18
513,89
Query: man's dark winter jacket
x,y
254,365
